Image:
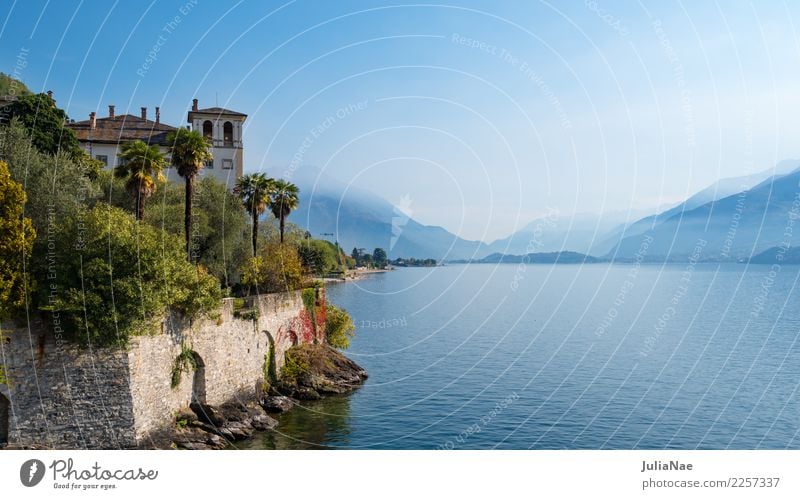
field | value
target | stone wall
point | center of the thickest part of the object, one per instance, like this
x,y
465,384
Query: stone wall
x,y
64,397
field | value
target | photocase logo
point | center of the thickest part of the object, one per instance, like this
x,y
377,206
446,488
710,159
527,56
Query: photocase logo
x,y
31,472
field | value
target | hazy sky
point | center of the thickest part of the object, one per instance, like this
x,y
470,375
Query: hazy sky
x,y
480,114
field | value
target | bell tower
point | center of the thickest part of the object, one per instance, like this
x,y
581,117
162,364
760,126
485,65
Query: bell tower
x,y
223,128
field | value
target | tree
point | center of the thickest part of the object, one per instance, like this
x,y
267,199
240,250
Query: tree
x,y
117,278
277,268
190,151
141,167
254,191
221,235
11,86
16,242
379,257
319,256
45,124
284,201
58,187
311,257
355,255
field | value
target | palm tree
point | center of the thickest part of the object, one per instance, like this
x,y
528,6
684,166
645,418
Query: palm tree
x,y
142,166
254,190
189,150
284,200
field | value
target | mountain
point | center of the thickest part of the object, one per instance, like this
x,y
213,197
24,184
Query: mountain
x,y
581,232
718,190
779,255
550,257
358,218
734,227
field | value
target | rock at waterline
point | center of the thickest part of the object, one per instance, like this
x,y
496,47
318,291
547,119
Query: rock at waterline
x,y
213,427
311,371
276,403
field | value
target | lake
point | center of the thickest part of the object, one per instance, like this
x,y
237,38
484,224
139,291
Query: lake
x,y
602,356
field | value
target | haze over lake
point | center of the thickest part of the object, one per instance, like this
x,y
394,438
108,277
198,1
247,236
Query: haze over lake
x,y
579,357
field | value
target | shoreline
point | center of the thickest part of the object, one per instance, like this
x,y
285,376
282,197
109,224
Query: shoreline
x,y
326,373
355,275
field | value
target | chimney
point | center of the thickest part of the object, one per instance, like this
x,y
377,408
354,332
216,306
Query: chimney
x,y
111,111
92,120
144,113
158,115
194,104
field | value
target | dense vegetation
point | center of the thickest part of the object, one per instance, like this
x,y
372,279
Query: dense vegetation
x,y
12,87
16,242
107,254
362,258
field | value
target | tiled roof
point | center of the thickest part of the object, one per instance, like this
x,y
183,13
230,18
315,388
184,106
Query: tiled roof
x,y
216,110
122,128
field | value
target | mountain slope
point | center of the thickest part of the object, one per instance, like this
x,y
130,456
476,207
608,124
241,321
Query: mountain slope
x,y
357,218
553,232
718,190
731,228
548,258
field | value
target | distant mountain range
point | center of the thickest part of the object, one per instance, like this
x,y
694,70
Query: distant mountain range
x,y
729,228
358,218
549,257
733,219
779,255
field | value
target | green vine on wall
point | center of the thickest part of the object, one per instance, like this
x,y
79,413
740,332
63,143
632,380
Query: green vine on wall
x,y
184,363
4,380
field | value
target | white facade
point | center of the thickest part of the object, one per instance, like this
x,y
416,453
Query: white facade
x,y
103,138
224,129
109,153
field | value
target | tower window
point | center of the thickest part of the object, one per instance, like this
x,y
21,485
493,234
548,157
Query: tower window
x,y
208,129
227,133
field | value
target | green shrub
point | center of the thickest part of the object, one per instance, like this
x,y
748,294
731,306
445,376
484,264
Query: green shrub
x,y
277,268
339,327
293,367
250,314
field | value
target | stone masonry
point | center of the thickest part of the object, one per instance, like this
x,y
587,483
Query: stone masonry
x,y
65,397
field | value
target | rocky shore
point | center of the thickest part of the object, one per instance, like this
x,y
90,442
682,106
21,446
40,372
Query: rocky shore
x,y
311,372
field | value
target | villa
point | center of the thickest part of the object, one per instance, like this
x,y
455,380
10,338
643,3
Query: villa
x,y
102,138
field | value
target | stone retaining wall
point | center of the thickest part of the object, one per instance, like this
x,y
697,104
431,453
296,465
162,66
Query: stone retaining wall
x,y
60,396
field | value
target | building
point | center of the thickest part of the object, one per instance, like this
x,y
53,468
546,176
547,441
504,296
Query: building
x,y
224,129
102,138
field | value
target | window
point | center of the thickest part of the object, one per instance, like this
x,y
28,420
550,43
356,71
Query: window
x,y
208,129
227,164
209,163
227,133
102,158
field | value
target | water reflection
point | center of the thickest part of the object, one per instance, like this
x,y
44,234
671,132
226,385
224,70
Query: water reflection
x,y
321,424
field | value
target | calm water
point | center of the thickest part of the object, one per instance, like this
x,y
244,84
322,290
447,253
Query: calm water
x,y
585,357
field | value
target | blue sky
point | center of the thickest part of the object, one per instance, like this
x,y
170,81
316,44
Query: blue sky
x,y
484,114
